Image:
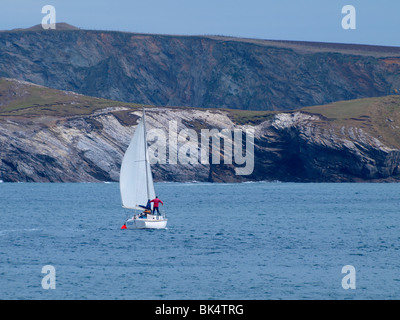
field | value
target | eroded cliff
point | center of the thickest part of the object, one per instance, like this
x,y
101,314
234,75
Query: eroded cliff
x,y
42,142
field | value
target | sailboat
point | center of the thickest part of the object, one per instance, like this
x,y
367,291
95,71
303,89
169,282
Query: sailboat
x,y
136,183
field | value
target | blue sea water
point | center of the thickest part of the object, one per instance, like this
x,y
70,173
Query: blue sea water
x,y
223,241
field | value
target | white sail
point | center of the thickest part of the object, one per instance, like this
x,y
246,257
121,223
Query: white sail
x,y
136,180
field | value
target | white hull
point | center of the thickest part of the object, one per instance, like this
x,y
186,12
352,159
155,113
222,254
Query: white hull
x,y
150,222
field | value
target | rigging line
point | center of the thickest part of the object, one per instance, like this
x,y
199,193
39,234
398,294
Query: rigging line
x,y
145,155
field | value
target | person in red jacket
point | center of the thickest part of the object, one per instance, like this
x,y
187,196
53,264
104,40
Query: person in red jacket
x,y
156,202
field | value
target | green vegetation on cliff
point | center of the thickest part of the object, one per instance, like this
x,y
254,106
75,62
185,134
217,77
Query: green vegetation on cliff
x,y
19,98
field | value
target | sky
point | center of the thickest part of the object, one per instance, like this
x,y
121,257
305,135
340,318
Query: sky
x,y
377,22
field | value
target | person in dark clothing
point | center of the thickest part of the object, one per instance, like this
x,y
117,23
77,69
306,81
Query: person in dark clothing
x,y
147,207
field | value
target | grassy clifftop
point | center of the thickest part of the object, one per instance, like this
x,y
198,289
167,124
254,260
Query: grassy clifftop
x,y
20,98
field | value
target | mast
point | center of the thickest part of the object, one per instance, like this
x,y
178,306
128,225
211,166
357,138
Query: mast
x,y
145,155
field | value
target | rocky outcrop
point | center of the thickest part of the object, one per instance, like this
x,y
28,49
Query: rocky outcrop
x,y
199,71
297,147
292,146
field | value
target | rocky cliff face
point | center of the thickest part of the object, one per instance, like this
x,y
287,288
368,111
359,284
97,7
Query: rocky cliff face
x,y
293,146
199,71
297,147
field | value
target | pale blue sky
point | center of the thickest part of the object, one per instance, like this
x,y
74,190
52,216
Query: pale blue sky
x,y
378,22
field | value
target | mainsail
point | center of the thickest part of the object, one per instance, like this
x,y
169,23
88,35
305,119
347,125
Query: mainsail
x,y
136,180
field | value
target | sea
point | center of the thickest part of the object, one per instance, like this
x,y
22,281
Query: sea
x,y
246,241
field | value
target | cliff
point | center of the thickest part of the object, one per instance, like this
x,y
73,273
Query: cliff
x,y
198,71
57,136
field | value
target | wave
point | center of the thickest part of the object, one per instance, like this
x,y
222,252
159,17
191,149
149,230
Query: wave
x,y
204,183
3,232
